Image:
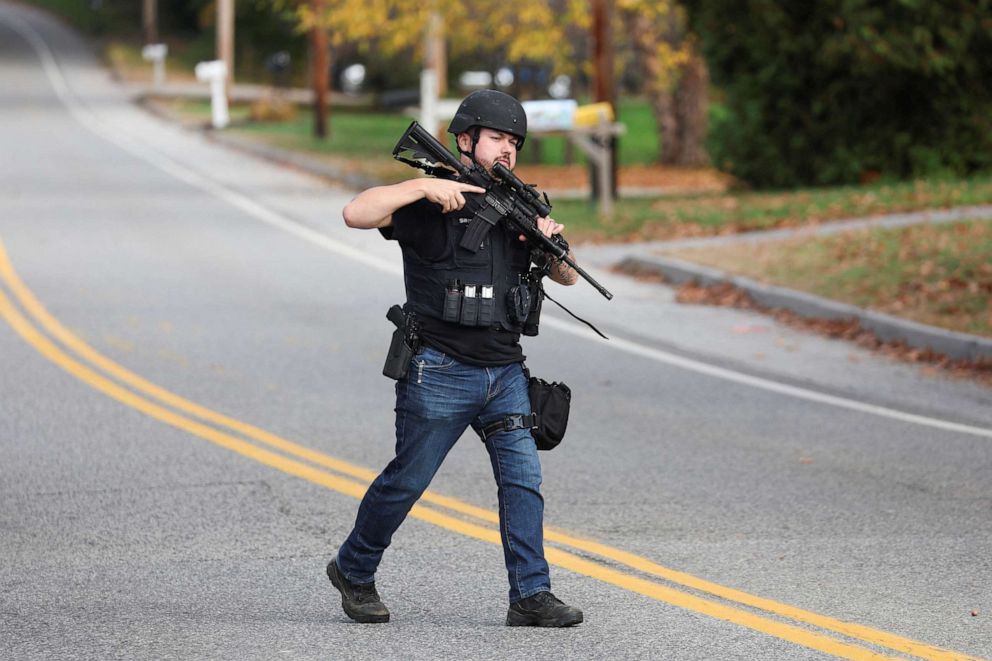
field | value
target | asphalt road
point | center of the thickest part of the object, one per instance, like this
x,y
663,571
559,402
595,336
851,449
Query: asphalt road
x,y
191,402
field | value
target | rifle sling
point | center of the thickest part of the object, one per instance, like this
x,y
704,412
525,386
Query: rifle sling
x,y
575,316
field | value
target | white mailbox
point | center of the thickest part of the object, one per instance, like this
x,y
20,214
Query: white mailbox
x,y
550,114
215,73
155,53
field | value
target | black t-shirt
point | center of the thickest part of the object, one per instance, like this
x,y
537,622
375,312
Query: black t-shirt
x,y
421,227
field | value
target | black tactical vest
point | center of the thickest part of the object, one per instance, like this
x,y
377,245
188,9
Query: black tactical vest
x,y
475,289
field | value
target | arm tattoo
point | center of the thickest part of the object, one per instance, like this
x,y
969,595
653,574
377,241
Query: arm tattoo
x,y
565,271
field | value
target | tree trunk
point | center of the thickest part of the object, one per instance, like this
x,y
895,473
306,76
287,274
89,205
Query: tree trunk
x,y
225,41
319,68
679,99
149,20
645,38
691,107
604,84
437,55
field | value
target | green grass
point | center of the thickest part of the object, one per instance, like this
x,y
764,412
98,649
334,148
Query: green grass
x,y
364,139
199,111
582,219
373,134
361,134
699,215
935,274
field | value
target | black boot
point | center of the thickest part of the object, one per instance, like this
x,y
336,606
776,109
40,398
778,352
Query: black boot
x,y
542,610
360,601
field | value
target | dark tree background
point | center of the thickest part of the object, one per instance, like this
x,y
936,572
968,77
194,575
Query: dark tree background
x,y
841,91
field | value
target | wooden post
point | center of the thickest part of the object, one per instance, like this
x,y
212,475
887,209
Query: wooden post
x,y
605,168
604,86
149,21
320,69
434,77
436,53
225,40
595,142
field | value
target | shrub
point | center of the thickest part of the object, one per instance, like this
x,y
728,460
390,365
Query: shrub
x,y
841,90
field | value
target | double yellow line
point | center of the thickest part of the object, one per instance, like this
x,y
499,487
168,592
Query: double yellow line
x,y
763,615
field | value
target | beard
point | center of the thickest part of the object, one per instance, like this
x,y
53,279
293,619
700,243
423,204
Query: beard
x,y
488,165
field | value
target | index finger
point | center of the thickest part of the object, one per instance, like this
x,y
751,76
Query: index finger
x,y
470,188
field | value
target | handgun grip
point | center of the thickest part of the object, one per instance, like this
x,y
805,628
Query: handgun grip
x,y
395,315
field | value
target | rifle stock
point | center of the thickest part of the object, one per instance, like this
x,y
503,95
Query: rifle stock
x,y
426,152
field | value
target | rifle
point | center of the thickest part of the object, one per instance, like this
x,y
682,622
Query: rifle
x,y
505,197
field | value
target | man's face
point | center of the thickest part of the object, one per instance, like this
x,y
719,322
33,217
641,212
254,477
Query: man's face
x,y
494,146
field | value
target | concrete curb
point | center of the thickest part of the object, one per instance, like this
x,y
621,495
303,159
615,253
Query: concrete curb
x,y
959,346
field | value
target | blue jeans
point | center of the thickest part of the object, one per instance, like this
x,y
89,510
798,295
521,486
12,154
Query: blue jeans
x,y
437,401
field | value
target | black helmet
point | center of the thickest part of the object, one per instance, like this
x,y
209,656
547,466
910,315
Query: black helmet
x,y
494,110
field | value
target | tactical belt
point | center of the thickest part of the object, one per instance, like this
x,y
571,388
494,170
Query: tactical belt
x,y
509,423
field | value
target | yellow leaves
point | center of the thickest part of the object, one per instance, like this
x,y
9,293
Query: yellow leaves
x,y
577,13
392,24
653,9
662,42
525,31
542,32
670,61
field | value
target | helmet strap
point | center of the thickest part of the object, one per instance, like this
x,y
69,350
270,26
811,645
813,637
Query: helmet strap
x,y
475,132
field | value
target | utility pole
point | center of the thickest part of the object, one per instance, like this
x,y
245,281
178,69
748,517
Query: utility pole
x,y
152,50
434,78
436,55
320,68
605,88
149,21
225,40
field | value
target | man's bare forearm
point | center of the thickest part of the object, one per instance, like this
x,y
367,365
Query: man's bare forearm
x,y
374,207
561,272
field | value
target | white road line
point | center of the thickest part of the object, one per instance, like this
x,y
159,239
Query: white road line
x,y
699,367
273,218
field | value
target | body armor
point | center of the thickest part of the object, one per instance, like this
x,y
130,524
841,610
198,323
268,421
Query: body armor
x,y
490,287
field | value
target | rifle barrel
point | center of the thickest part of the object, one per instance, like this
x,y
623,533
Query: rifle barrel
x,y
588,278
530,230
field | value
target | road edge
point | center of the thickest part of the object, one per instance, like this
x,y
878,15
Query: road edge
x,y
953,344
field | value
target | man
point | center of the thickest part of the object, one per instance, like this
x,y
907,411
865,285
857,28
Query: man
x,y
469,371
